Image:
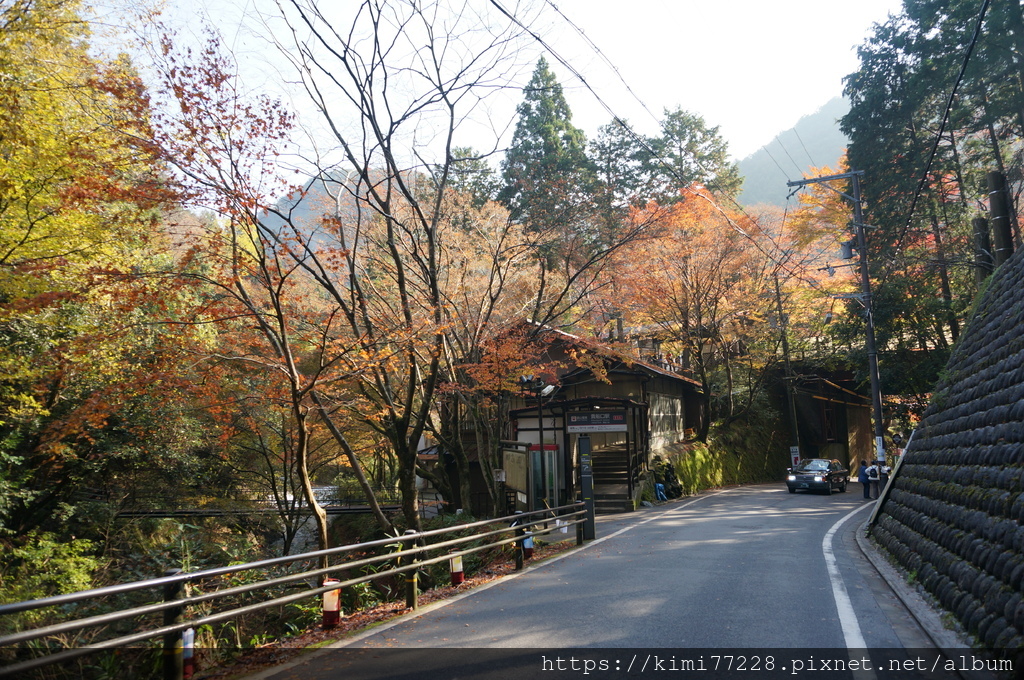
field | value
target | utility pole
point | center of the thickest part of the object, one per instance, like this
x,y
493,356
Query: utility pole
x,y
865,295
788,379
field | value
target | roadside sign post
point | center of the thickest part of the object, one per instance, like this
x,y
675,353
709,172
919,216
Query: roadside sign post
x,y
587,487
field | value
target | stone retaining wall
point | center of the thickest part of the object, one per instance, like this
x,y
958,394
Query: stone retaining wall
x,y
954,514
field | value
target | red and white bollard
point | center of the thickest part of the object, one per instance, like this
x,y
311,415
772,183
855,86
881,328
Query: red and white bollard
x,y
332,605
188,647
458,576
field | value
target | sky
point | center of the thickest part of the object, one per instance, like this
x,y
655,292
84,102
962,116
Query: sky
x,y
751,67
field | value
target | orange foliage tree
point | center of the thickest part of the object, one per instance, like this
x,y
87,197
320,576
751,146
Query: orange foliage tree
x,y
87,379
718,289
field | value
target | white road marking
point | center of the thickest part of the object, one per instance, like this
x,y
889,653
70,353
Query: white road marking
x,y
847,616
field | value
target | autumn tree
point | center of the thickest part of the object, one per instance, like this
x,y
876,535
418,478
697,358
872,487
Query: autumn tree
x,y
700,287
79,201
403,279
487,278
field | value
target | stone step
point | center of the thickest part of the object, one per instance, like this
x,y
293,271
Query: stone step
x,y
608,506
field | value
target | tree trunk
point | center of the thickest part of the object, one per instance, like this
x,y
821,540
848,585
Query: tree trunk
x,y
944,286
357,468
319,514
407,486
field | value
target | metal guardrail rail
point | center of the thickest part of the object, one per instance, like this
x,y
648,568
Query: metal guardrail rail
x,y
174,604
203,502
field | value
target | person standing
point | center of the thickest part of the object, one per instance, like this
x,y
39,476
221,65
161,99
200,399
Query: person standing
x,y
873,479
862,477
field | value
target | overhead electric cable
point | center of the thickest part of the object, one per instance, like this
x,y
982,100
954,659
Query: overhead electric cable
x,y
654,154
765,149
799,139
791,159
604,57
945,119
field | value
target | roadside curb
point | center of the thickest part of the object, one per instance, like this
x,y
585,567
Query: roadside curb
x,y
927,615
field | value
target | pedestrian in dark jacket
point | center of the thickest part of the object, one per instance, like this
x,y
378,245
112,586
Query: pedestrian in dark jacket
x,y
862,477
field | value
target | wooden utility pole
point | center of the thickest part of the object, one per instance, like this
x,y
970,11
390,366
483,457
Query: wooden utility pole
x,y
865,294
788,379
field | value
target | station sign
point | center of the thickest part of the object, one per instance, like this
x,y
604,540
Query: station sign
x,y
579,422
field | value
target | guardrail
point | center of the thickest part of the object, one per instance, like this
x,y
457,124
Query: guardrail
x,y
412,554
211,503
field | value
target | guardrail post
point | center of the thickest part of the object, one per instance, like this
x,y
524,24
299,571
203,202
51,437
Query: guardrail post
x,y
173,658
330,608
520,532
411,586
458,575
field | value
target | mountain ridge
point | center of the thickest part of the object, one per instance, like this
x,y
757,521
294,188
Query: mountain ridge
x,y
815,141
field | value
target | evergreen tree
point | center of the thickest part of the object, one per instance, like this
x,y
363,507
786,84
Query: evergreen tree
x,y
546,174
922,258
689,152
469,174
623,164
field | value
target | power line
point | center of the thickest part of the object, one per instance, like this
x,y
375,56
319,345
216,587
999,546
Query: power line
x,y
780,263
945,119
786,151
604,58
765,149
799,139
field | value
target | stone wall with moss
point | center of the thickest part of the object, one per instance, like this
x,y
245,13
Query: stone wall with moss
x,y
954,514
745,451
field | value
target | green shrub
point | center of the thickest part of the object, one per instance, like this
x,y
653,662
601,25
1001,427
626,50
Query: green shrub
x,y
743,451
43,565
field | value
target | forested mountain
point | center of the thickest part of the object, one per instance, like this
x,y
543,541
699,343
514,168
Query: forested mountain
x,y
815,141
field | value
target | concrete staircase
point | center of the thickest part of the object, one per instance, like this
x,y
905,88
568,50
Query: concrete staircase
x,y
611,480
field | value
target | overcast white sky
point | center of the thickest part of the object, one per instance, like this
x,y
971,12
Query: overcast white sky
x,y
751,67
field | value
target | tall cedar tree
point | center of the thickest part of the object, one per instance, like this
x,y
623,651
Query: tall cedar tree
x,y
547,176
923,262
623,164
688,152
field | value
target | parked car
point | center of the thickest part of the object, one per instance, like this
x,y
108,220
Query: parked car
x,y
817,474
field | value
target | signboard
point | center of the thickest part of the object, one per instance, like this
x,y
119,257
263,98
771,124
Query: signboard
x,y
516,470
596,421
794,454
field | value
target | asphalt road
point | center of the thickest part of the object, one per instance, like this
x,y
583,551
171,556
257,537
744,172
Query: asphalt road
x,y
747,568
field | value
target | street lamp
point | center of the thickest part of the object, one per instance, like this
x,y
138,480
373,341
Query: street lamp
x,y
541,389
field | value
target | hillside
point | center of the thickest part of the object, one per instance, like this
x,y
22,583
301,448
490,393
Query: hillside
x,y
814,141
